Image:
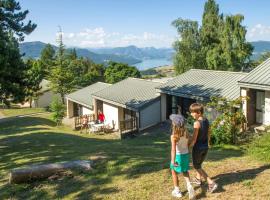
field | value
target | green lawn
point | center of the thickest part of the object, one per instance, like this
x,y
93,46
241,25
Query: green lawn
x,y
260,148
14,111
134,168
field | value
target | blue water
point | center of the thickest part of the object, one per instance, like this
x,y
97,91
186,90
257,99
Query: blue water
x,y
145,64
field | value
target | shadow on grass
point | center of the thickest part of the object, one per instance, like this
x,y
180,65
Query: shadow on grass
x,y
127,159
238,176
231,178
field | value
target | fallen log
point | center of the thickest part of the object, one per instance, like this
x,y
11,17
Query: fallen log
x,y
36,172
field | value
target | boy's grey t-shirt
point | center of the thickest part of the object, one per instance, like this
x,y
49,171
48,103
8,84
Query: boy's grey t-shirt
x,y
202,138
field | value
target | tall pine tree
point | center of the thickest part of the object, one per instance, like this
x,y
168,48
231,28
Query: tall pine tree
x,y
12,69
47,58
61,76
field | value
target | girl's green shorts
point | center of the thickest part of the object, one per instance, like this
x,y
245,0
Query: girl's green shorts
x,y
183,163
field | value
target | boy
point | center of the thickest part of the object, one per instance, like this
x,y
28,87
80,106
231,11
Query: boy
x,y
200,141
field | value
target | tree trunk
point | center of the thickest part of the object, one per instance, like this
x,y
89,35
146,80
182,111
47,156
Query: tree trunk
x,y
30,102
63,98
44,171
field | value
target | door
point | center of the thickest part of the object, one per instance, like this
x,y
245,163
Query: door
x,y
260,98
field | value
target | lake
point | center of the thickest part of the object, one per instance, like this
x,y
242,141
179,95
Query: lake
x,y
145,64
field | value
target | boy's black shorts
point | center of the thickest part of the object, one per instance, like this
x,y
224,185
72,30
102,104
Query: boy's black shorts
x,y
198,156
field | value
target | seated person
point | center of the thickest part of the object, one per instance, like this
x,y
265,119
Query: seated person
x,y
101,117
84,123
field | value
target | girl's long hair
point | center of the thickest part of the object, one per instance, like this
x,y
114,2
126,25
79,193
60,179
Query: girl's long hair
x,y
178,131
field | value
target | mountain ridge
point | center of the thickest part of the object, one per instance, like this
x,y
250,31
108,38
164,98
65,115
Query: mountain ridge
x,y
33,50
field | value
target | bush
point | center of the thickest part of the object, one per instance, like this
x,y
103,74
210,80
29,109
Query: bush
x,y
220,136
58,110
228,124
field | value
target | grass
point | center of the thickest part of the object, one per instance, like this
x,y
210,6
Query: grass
x,y
130,169
14,111
260,148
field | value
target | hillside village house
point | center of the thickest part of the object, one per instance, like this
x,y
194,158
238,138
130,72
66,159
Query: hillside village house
x,y
256,86
44,98
198,85
81,102
131,99
138,103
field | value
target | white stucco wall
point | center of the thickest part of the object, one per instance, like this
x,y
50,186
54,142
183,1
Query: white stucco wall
x,y
267,108
150,115
111,114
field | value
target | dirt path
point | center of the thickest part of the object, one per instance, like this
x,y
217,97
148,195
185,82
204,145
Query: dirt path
x,y
3,118
1,115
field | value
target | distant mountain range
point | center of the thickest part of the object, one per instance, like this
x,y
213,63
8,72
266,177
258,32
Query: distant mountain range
x,y
33,50
130,54
138,53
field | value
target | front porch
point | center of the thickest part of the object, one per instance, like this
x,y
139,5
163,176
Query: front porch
x,y
119,119
170,104
256,107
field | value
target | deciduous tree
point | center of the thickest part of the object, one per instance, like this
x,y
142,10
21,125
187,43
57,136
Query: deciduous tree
x,y
116,72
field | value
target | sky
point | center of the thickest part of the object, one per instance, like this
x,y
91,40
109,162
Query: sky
x,y
144,23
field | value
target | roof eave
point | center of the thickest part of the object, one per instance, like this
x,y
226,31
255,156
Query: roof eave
x,y
78,102
254,86
137,109
115,103
201,98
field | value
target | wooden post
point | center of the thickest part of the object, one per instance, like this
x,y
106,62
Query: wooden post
x,y
120,134
137,121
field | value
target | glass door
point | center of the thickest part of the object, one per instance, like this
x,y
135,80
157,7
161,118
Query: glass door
x,y
260,98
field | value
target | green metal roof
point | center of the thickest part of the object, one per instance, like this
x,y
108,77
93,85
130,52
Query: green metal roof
x,y
203,84
258,78
84,95
132,93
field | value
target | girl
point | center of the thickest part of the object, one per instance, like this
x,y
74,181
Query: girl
x,y
180,155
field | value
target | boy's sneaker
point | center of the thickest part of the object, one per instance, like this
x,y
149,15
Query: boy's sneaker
x,y
177,193
196,181
191,192
212,187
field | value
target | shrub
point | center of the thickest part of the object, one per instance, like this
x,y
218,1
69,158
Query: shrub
x,y
220,136
228,124
58,110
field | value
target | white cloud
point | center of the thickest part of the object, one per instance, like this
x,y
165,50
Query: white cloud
x,y
98,37
258,32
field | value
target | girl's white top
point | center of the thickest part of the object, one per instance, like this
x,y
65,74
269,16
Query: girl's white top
x,y
182,145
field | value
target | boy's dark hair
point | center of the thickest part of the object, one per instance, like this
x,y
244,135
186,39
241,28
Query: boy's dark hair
x,y
196,107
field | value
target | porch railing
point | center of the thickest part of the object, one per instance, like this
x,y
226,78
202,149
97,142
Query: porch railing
x,y
78,120
128,125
